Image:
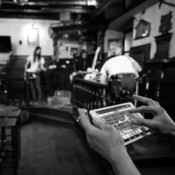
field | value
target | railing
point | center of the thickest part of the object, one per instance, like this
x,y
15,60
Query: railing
x,y
88,94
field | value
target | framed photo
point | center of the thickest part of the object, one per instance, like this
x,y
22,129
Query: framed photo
x,y
33,37
142,29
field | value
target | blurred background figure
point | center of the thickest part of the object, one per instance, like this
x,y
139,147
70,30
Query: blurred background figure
x,y
82,62
120,73
35,64
118,65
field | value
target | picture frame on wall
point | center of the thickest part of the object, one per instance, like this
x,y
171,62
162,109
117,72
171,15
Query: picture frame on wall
x,y
33,37
142,29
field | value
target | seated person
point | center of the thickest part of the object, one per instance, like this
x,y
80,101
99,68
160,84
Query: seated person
x,y
119,64
120,72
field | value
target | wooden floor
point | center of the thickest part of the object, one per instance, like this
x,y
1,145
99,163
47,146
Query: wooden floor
x,y
50,148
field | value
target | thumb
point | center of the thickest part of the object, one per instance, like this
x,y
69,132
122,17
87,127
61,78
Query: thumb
x,y
146,122
99,124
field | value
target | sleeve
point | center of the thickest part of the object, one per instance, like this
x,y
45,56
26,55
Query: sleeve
x,y
42,61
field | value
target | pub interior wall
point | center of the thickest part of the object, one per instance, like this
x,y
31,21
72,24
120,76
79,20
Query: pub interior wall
x,y
153,15
18,30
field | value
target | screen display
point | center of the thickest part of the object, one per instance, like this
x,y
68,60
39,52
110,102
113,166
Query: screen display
x,y
122,122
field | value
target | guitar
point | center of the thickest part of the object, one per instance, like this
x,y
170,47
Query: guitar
x,y
91,72
33,75
95,58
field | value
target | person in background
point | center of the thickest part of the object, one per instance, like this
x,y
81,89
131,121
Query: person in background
x,y
34,64
83,60
79,65
118,64
51,75
106,140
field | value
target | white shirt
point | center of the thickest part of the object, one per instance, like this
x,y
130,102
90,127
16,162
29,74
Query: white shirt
x,y
120,65
34,66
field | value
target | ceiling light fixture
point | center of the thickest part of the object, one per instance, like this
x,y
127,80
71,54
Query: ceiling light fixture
x,y
92,3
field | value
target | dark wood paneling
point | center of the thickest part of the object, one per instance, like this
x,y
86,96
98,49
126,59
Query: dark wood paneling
x,y
64,69
141,54
15,77
162,83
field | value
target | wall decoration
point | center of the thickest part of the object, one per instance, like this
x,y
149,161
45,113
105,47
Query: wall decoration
x,y
165,23
163,40
162,46
142,29
141,54
33,37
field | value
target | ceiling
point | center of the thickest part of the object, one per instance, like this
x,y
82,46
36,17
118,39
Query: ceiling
x,y
46,9
69,11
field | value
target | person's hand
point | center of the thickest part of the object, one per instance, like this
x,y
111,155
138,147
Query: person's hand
x,y
101,137
161,121
106,140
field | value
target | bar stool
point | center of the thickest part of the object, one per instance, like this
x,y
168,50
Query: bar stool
x,y
10,133
9,145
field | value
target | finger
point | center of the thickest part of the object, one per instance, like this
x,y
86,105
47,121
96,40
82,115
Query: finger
x,y
145,100
99,124
89,140
146,122
144,109
84,120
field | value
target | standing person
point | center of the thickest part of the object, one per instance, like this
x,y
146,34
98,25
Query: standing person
x,y
35,64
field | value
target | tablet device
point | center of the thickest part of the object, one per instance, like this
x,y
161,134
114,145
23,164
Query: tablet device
x,y
111,115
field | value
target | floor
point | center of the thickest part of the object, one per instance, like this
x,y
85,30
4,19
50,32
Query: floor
x,y
48,148
154,155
